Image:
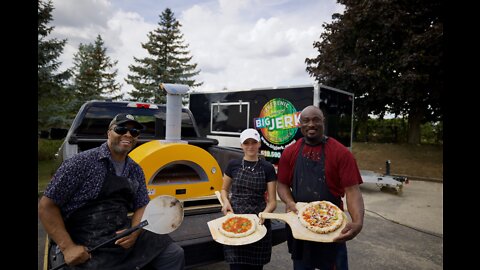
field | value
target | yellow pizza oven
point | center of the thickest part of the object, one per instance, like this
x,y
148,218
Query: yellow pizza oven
x,y
178,169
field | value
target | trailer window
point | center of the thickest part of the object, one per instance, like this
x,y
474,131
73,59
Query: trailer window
x,y
229,118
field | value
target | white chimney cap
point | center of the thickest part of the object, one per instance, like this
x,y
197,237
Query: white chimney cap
x,y
174,89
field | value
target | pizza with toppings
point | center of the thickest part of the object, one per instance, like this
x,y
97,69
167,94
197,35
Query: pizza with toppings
x,y
321,216
237,226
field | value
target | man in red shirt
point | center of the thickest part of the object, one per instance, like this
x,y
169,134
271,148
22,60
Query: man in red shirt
x,y
318,168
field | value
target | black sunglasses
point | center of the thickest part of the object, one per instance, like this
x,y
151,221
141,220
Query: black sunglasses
x,y
123,130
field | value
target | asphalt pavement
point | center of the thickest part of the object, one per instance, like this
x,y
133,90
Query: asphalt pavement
x,y
401,231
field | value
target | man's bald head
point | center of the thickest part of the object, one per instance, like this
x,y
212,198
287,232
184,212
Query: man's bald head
x,y
312,124
312,110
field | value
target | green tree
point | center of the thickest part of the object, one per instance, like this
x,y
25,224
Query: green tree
x,y
53,92
168,62
94,73
390,54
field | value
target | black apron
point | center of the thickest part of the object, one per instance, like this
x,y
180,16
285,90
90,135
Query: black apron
x,y
309,184
98,220
248,197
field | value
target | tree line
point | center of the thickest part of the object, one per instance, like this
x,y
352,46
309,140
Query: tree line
x,y
61,93
388,53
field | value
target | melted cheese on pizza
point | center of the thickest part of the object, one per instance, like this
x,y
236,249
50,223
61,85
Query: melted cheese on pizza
x,y
237,225
320,215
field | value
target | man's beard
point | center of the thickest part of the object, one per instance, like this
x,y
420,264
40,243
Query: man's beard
x,y
314,139
121,150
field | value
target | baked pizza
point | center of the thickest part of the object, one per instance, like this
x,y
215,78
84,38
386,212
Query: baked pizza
x,y
321,216
237,226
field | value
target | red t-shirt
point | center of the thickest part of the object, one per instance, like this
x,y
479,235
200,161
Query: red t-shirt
x,y
341,169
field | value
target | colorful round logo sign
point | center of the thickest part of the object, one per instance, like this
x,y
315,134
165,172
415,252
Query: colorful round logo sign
x,y
278,121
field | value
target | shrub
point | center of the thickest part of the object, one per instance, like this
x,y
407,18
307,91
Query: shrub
x,y
47,148
395,131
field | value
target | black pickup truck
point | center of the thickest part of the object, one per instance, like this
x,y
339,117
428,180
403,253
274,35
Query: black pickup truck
x,y
88,130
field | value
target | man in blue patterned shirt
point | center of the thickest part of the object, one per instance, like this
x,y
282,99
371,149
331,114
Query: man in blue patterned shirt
x,y
88,200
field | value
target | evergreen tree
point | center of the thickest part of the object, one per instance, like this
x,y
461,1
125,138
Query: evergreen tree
x,y
53,93
93,78
168,62
390,54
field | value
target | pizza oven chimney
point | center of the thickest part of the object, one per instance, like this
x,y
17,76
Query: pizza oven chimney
x,y
173,126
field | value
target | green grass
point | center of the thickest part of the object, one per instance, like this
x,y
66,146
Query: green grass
x,y
411,160
47,164
48,148
424,160
46,169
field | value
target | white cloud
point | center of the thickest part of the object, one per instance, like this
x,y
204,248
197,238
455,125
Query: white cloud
x,y
82,13
233,8
236,44
122,32
128,32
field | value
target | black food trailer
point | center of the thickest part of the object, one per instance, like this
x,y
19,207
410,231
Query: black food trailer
x,y
274,112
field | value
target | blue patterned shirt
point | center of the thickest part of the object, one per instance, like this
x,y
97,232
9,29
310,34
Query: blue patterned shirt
x,y
80,179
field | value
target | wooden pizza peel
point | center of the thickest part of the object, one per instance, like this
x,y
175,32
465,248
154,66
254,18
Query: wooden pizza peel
x,y
258,234
299,231
215,224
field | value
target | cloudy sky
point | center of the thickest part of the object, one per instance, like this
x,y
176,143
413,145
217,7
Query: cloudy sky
x,y
237,44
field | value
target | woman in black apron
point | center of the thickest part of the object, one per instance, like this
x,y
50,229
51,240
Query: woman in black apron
x,y
249,178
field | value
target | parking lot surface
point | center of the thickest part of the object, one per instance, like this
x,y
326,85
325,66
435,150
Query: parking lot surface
x,y
400,231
